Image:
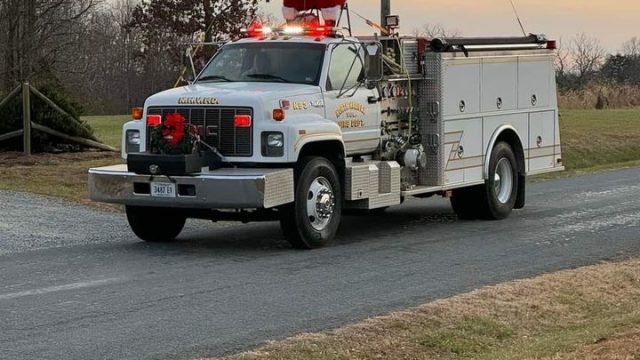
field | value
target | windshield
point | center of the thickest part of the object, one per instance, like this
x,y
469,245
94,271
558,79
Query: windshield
x,y
266,62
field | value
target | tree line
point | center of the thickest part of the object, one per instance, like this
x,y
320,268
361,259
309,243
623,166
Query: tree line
x,y
111,55
582,60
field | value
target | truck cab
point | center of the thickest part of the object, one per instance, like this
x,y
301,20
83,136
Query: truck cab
x,y
317,85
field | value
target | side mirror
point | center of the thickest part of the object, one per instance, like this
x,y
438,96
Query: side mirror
x,y
373,62
188,77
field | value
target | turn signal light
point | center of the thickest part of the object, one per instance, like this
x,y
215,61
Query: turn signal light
x,y
154,120
136,113
278,114
242,121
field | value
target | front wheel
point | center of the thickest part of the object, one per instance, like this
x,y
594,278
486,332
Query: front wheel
x,y
313,219
155,224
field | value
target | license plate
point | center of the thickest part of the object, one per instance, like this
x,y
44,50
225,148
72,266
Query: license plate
x,y
165,190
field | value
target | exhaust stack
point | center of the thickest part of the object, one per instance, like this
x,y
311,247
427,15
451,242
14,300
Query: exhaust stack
x,y
385,11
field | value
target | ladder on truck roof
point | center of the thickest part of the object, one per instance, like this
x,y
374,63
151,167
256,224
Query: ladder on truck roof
x,y
532,41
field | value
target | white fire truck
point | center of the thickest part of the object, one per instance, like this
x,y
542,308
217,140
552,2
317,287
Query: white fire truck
x,y
311,121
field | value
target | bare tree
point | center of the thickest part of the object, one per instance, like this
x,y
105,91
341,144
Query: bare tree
x,y
432,31
588,55
631,47
106,56
562,58
39,36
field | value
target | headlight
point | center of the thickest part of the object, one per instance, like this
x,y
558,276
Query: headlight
x,y
275,140
133,137
272,144
133,141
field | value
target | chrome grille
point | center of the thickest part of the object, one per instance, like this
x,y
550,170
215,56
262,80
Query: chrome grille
x,y
215,125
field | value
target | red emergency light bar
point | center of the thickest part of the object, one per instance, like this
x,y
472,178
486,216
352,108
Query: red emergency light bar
x,y
258,30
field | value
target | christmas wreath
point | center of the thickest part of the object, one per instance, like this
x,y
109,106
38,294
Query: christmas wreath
x,y
174,136
175,149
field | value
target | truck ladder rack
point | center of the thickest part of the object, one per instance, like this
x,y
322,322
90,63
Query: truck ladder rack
x,y
467,44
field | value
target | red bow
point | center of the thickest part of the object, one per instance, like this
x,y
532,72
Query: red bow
x,y
173,130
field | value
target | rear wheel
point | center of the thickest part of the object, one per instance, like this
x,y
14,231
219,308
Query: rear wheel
x,y
155,224
496,198
465,202
313,219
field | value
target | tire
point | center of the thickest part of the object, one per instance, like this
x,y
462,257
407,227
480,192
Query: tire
x,y
465,202
313,219
495,199
155,224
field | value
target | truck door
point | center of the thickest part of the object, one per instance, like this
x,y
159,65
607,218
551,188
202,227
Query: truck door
x,y
348,101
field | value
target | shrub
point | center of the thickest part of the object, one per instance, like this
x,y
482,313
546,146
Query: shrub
x,y
44,114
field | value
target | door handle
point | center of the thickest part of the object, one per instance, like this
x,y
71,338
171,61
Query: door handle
x,y
373,99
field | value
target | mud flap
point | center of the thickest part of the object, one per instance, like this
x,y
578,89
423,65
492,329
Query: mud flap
x,y
522,192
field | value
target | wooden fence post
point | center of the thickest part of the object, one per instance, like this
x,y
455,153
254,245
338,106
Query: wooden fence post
x,y
26,118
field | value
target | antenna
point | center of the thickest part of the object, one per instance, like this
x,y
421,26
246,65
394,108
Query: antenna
x,y
515,11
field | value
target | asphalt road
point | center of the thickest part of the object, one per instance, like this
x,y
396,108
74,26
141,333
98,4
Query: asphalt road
x,y
76,284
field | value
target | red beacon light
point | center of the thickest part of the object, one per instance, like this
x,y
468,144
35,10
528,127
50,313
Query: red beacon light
x,y
256,29
313,29
552,44
320,30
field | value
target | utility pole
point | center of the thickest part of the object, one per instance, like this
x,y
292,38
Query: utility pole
x,y
385,11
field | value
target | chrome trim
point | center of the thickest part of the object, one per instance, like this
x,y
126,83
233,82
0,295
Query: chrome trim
x,y
218,189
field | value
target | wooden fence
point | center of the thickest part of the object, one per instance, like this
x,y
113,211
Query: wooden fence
x,y
27,125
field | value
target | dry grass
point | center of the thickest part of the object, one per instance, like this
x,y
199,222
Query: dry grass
x,y
588,313
618,97
60,175
63,175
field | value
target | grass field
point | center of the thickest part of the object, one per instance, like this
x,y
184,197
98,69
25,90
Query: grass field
x,y
591,140
588,313
108,128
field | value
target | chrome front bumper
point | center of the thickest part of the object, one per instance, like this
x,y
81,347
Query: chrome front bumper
x,y
218,189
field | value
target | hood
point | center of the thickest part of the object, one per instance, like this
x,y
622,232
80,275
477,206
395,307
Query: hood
x,y
230,94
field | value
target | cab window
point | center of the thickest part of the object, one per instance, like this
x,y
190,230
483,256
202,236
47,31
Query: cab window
x,y
346,69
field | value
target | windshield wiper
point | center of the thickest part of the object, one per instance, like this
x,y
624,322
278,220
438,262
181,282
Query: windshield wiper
x,y
214,77
268,76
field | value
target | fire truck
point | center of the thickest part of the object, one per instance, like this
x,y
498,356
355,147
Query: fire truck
x,y
307,122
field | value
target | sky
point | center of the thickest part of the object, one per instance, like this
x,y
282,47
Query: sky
x,y
612,21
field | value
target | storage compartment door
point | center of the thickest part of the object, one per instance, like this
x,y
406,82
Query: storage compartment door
x,y
461,87
542,137
535,74
499,84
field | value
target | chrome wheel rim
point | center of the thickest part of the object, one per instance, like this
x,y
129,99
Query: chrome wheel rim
x,y
503,180
321,203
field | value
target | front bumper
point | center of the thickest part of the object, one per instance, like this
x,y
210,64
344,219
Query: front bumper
x,y
218,189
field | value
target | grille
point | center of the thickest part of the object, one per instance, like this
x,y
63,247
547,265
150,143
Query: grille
x,y
216,128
